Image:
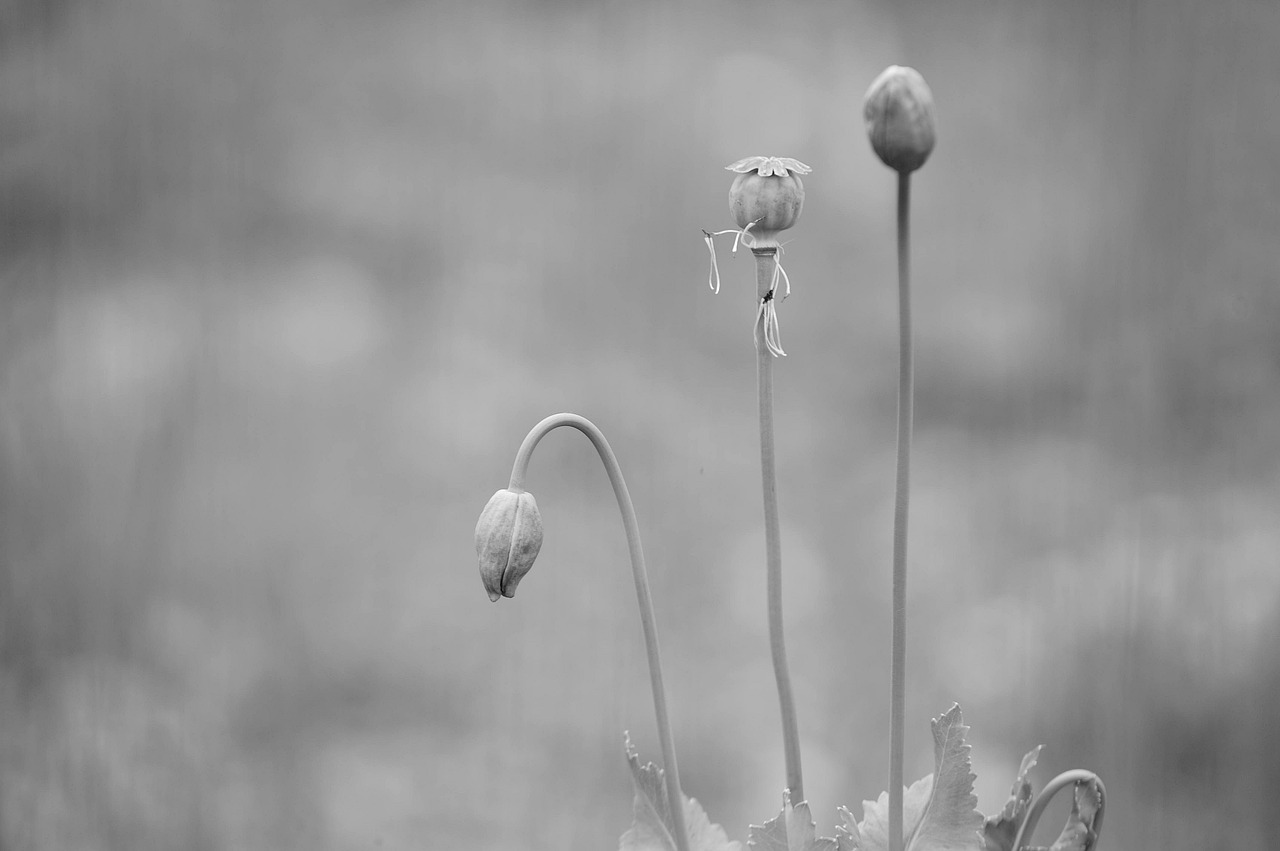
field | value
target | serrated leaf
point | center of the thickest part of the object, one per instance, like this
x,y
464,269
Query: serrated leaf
x,y
792,830
939,811
1079,833
651,828
847,834
1001,829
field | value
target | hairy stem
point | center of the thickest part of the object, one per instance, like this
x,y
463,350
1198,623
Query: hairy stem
x,y
675,796
1067,778
766,259
898,665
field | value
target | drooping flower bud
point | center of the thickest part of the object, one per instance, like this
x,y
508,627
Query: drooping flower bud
x,y
899,113
508,537
767,196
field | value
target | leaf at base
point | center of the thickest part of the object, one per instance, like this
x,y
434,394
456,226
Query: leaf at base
x,y
939,812
1001,829
651,829
792,830
873,833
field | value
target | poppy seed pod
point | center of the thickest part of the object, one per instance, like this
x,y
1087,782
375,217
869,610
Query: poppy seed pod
x,y
898,110
508,537
767,196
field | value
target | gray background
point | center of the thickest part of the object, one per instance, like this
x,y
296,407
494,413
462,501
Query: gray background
x,y
285,283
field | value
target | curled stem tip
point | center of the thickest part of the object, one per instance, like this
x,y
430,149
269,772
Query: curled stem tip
x,y
1076,778
648,622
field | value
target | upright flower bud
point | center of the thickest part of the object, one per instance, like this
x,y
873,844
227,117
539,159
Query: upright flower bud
x,y
767,196
508,537
899,113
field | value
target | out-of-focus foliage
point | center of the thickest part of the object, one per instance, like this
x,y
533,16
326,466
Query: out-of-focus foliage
x,y
282,285
652,828
1001,828
793,828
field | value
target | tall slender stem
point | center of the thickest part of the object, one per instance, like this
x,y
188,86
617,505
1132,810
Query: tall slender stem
x,y
898,665
675,796
766,259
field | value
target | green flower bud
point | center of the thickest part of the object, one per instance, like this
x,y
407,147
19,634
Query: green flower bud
x,y
508,537
767,196
899,113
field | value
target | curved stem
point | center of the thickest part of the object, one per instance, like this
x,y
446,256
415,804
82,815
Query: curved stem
x,y
675,797
1066,778
766,259
898,665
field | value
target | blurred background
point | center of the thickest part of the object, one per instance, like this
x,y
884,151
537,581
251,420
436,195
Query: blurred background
x,y
283,285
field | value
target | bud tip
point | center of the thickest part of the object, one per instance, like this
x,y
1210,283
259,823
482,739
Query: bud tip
x,y
898,110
